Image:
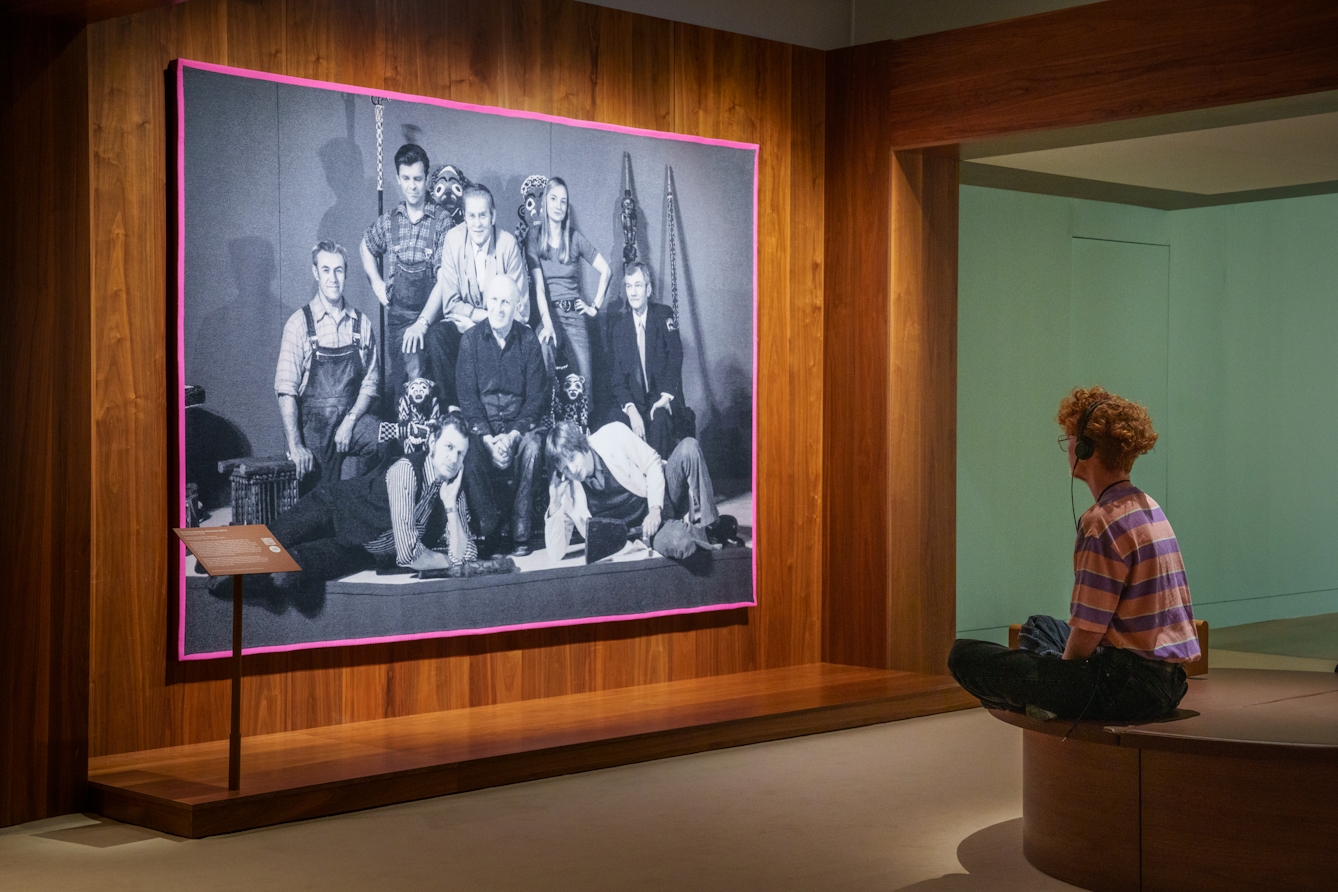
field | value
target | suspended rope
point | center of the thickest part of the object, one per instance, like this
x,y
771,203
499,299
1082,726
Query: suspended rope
x,y
379,107
379,110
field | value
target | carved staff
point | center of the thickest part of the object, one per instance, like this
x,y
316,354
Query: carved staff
x,y
628,214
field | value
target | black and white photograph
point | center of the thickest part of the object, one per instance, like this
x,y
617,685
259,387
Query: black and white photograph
x,y
476,369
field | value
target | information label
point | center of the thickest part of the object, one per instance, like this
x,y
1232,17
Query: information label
x,y
237,551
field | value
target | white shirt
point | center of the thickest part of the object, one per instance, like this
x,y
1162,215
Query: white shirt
x,y
482,269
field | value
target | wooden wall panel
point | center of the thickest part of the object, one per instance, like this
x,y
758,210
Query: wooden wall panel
x,y
1098,62
552,56
45,401
857,317
922,412
892,426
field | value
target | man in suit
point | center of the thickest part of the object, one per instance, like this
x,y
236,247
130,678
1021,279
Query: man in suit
x,y
648,365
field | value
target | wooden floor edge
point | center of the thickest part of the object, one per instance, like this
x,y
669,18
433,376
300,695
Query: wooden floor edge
x,y
303,803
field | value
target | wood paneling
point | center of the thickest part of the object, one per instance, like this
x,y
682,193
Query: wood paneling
x,y
301,774
1233,795
1094,63
1258,824
1080,811
45,402
552,56
891,403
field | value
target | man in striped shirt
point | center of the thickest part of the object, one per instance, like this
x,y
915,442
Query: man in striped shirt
x,y
1131,624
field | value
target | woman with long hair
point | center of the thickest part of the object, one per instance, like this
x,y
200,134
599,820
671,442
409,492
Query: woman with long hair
x,y
555,254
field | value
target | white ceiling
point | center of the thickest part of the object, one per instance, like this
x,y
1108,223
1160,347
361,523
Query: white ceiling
x,y
1238,158
830,24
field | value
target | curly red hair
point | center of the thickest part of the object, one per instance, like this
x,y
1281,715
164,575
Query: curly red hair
x,y
1121,430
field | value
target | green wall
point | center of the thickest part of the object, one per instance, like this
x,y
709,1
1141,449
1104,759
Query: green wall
x,y
1219,320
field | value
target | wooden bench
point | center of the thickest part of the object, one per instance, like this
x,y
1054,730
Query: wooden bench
x,y
1238,791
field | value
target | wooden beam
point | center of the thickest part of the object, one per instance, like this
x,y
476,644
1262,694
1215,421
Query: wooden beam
x,y
1094,63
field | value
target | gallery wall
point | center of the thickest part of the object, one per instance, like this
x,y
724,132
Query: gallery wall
x,y
44,400
550,56
1219,320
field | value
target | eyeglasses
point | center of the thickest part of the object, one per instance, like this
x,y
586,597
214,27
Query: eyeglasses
x,y
1064,442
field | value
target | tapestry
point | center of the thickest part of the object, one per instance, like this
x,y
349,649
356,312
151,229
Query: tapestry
x,y
477,369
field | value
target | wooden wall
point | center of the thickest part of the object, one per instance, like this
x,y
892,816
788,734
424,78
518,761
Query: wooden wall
x,y
1089,64
44,401
550,56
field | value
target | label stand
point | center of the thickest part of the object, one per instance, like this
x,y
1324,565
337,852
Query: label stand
x,y
237,551
235,736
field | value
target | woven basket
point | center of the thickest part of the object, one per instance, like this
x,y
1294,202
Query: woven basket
x,y
262,488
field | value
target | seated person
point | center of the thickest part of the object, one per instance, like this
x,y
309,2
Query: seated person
x,y
613,473
1131,624
473,253
414,516
648,364
503,392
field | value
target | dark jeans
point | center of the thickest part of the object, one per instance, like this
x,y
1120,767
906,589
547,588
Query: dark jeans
x,y
516,484
437,358
687,485
1112,685
307,530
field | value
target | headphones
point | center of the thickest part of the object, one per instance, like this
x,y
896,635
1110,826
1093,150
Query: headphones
x,y
1083,447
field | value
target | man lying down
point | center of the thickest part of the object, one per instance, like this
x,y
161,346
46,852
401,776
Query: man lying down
x,y
413,516
612,485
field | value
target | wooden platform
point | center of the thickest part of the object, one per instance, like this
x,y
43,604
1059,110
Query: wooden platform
x,y
1239,792
324,771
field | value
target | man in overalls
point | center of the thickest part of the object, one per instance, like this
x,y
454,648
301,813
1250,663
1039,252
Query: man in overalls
x,y
326,380
409,240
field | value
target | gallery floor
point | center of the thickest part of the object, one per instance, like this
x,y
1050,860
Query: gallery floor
x,y
930,803
924,804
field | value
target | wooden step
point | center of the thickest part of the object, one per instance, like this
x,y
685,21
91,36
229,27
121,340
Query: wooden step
x,y
296,775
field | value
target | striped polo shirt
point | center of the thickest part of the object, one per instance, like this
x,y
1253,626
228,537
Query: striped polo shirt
x,y
1129,580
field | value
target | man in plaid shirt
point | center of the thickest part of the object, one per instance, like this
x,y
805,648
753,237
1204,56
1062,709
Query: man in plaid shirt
x,y
409,240
326,380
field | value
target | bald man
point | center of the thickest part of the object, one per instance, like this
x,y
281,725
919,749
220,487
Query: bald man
x,y
502,389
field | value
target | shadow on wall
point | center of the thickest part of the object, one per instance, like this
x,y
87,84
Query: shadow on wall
x,y
235,353
726,433
994,862
212,439
347,219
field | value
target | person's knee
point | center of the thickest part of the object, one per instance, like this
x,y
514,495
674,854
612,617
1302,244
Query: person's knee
x,y
966,654
688,453
530,450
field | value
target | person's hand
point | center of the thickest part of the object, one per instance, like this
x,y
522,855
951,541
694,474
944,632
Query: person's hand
x,y
450,490
379,289
428,559
662,403
344,434
586,308
650,525
461,318
634,421
546,334
498,451
413,337
302,457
